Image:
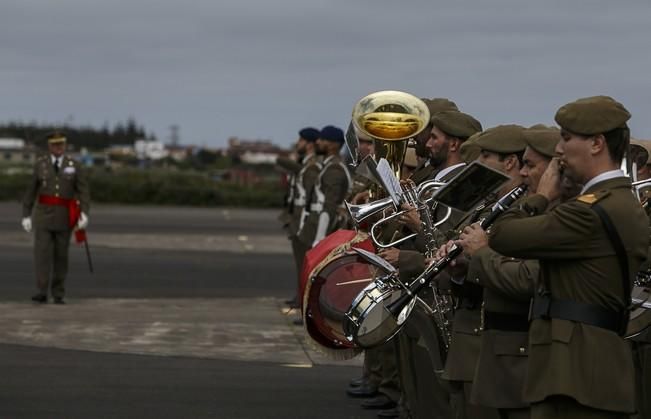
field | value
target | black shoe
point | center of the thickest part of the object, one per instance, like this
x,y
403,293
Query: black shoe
x,y
389,413
298,322
378,402
358,382
40,298
292,302
59,300
362,391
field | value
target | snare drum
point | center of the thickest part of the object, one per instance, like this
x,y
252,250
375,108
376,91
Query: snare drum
x,y
368,322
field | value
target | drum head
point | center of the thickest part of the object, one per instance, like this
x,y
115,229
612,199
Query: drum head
x,y
331,292
377,325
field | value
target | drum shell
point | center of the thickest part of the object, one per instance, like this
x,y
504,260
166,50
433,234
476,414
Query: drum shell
x,y
329,291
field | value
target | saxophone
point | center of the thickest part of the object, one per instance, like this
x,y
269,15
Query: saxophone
x,y
443,305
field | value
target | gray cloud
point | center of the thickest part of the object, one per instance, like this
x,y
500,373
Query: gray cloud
x,y
264,69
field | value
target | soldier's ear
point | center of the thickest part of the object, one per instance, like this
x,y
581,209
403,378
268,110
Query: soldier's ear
x,y
598,143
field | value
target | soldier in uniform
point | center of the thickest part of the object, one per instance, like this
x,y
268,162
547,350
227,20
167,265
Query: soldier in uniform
x,y
420,355
329,191
303,174
508,285
501,148
579,364
57,200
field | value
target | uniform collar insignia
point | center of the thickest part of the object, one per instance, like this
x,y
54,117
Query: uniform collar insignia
x,y
588,198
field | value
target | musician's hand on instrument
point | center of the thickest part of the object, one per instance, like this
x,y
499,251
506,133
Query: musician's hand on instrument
x,y
472,238
443,250
361,198
550,181
457,266
411,218
391,255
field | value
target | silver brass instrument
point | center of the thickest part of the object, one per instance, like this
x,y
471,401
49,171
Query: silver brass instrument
x,y
379,311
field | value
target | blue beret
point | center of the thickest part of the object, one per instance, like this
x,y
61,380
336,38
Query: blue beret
x,y
310,134
332,133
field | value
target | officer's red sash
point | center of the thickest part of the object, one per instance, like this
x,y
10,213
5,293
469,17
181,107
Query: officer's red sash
x,y
74,211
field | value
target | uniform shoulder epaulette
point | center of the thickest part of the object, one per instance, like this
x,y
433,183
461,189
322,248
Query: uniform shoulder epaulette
x,y
42,158
592,198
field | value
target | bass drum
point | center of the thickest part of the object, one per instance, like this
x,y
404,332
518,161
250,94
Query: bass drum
x,y
328,295
640,317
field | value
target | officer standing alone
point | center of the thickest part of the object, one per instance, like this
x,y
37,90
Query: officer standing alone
x,y
57,200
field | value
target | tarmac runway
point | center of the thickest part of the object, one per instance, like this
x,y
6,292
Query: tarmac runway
x,y
182,318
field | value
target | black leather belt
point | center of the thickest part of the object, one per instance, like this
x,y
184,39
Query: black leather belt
x,y
543,307
509,322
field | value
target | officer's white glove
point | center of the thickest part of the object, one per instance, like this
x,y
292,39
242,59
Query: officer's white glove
x,y
27,224
83,221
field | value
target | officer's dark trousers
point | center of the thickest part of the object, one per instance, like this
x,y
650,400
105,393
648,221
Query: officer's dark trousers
x,y
642,360
51,260
390,383
373,367
562,407
426,395
461,406
299,250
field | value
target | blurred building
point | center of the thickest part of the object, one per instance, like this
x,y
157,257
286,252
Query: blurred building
x,y
15,150
254,151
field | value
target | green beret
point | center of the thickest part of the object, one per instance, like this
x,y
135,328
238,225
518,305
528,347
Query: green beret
x,y
456,124
503,139
470,150
542,139
439,104
592,115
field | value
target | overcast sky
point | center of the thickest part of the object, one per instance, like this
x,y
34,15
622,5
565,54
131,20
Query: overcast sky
x,y
266,68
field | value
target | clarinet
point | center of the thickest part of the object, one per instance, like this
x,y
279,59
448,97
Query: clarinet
x,y
438,266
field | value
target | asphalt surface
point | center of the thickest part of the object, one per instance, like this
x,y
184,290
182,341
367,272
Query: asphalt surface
x,y
182,318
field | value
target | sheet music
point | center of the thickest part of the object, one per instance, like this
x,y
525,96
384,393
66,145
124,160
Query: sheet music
x,y
391,182
375,260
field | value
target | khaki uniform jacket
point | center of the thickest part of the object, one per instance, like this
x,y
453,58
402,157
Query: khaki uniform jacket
x,y
578,262
502,367
304,184
328,195
423,172
292,167
69,183
463,353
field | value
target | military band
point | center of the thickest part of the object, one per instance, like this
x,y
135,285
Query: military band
x,y
537,304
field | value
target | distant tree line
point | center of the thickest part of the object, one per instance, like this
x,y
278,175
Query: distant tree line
x,y
83,136
161,187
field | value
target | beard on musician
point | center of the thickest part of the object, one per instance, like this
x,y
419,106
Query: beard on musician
x,y
438,145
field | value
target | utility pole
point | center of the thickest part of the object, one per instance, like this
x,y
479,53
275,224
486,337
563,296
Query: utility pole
x,y
174,135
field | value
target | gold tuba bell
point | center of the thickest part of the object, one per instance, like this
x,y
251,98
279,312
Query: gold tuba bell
x,y
390,118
